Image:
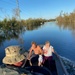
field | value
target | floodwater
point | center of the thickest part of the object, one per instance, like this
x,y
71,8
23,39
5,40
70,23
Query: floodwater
x,y
61,38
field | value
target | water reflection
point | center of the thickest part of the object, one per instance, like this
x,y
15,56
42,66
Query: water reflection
x,y
8,33
32,27
66,25
61,37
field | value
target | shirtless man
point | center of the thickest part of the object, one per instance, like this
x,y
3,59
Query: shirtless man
x,y
37,51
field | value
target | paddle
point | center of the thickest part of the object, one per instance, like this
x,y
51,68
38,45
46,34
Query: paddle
x,y
26,54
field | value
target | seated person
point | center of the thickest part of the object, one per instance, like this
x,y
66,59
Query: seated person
x,y
13,60
37,50
14,56
48,58
47,51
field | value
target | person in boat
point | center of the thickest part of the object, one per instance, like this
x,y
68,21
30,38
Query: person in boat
x,y
13,61
37,51
47,52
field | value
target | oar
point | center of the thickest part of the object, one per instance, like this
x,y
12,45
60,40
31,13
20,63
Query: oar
x,y
26,56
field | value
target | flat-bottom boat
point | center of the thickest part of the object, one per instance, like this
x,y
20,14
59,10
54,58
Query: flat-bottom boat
x,y
54,67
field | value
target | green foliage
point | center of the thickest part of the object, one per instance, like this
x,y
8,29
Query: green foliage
x,y
13,23
66,18
32,23
11,28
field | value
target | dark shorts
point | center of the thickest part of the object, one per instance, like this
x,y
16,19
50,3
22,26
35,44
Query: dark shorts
x,y
34,59
47,58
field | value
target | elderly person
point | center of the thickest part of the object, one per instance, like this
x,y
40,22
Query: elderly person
x,y
48,50
13,61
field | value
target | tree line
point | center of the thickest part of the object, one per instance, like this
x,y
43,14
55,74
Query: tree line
x,y
65,18
13,23
11,28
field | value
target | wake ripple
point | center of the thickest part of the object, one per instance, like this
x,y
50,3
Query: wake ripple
x,y
69,65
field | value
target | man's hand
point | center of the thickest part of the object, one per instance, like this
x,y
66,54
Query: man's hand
x,y
28,58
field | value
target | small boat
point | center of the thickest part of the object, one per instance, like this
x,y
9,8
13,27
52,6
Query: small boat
x,y
55,68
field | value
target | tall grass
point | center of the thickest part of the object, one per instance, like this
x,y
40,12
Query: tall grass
x,y
65,18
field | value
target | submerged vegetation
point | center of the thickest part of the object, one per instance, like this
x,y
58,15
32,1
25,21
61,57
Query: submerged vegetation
x,y
13,23
11,28
66,20
33,23
30,23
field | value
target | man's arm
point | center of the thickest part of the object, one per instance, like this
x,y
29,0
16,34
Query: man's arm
x,y
30,52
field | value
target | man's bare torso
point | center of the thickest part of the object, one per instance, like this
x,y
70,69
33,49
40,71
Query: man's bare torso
x,y
37,50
